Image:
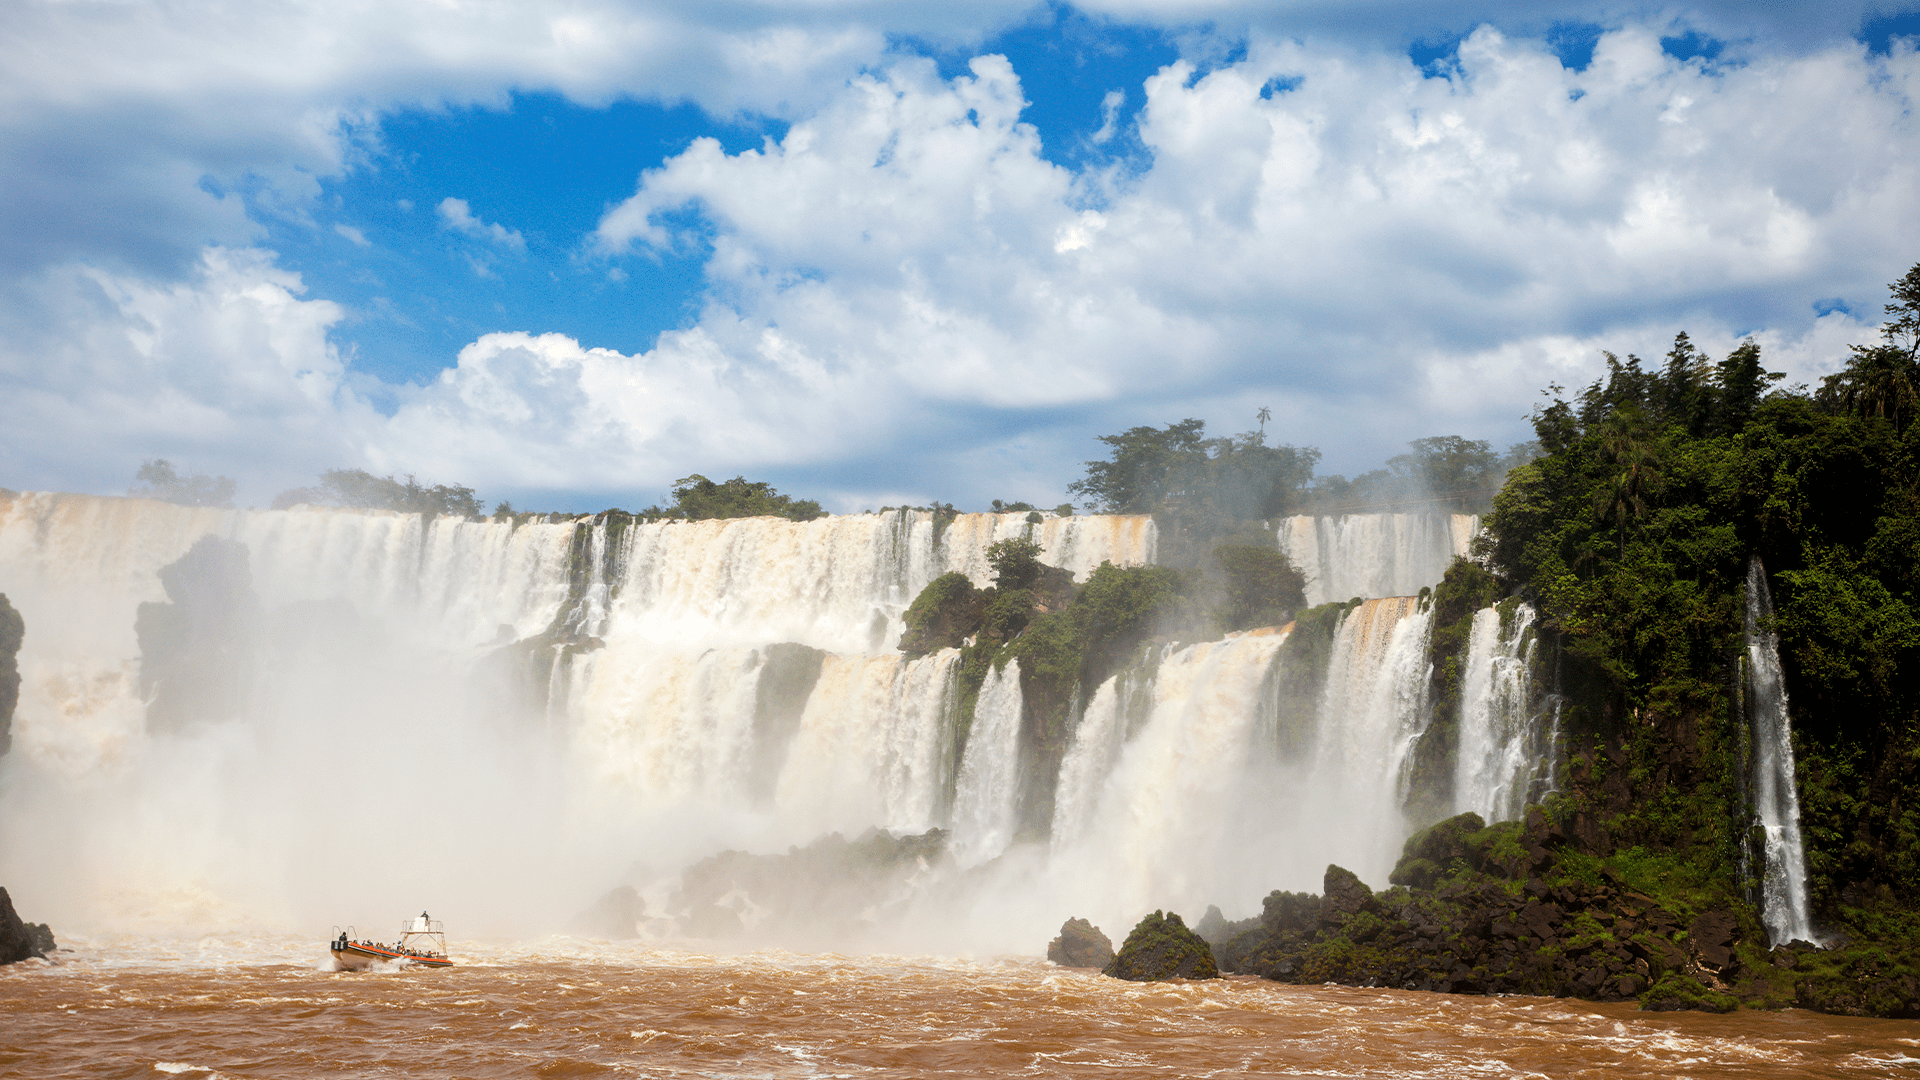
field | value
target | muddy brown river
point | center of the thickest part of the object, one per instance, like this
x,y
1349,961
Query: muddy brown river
x,y
572,1008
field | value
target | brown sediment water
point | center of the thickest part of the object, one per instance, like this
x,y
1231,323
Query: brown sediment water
x,y
568,1008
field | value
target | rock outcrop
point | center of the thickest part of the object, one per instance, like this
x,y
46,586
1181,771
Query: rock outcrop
x,y
13,631
1081,945
823,895
196,650
616,915
1161,947
21,940
1494,909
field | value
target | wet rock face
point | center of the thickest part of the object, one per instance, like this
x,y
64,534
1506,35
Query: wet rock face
x,y
196,650
13,631
1081,945
1161,947
616,916
21,940
1473,934
1343,896
823,895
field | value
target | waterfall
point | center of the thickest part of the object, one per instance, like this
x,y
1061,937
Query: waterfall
x,y
983,801
1373,709
1776,803
1184,805
1505,751
1374,554
710,685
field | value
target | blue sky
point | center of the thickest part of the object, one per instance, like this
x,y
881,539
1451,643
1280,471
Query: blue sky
x,y
566,254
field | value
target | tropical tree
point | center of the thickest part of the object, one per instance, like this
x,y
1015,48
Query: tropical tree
x,y
1884,380
1629,446
1880,381
159,480
362,490
697,497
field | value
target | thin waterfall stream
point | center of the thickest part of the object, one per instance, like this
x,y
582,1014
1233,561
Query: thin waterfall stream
x,y
1776,802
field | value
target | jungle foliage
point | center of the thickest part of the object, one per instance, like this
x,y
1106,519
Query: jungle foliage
x,y
697,498
1632,536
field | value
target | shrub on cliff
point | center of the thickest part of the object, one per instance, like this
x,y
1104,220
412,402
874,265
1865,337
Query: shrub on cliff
x,y
1161,947
1262,587
945,614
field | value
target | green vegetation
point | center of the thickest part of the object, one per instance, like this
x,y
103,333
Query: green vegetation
x,y
159,480
1632,536
1261,587
1161,947
362,490
1200,481
697,498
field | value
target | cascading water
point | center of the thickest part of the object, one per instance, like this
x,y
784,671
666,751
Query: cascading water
x,y
983,800
1373,709
372,680
1783,907
1183,808
1505,745
709,685
1374,555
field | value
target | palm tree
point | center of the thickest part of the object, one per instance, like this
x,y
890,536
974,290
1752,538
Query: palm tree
x,y
1880,380
1265,414
1630,445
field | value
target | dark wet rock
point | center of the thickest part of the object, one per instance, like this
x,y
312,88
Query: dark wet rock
x,y
197,648
616,915
1438,849
816,896
1080,945
1710,937
1217,932
787,675
1344,896
1543,932
21,940
13,631
1161,947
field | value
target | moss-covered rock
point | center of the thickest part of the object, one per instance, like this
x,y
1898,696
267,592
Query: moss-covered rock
x,y
1161,947
1080,945
1437,850
945,614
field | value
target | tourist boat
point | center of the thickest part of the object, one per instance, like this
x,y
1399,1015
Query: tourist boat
x,y
423,941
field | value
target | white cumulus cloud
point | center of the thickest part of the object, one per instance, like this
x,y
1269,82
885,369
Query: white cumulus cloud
x,y
457,216
903,279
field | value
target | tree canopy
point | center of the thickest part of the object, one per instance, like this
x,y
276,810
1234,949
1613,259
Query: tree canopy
x,y
696,497
159,480
1633,536
1179,470
362,490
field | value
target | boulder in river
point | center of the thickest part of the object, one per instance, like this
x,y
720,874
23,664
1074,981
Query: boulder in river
x,y
1162,947
1082,945
21,940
